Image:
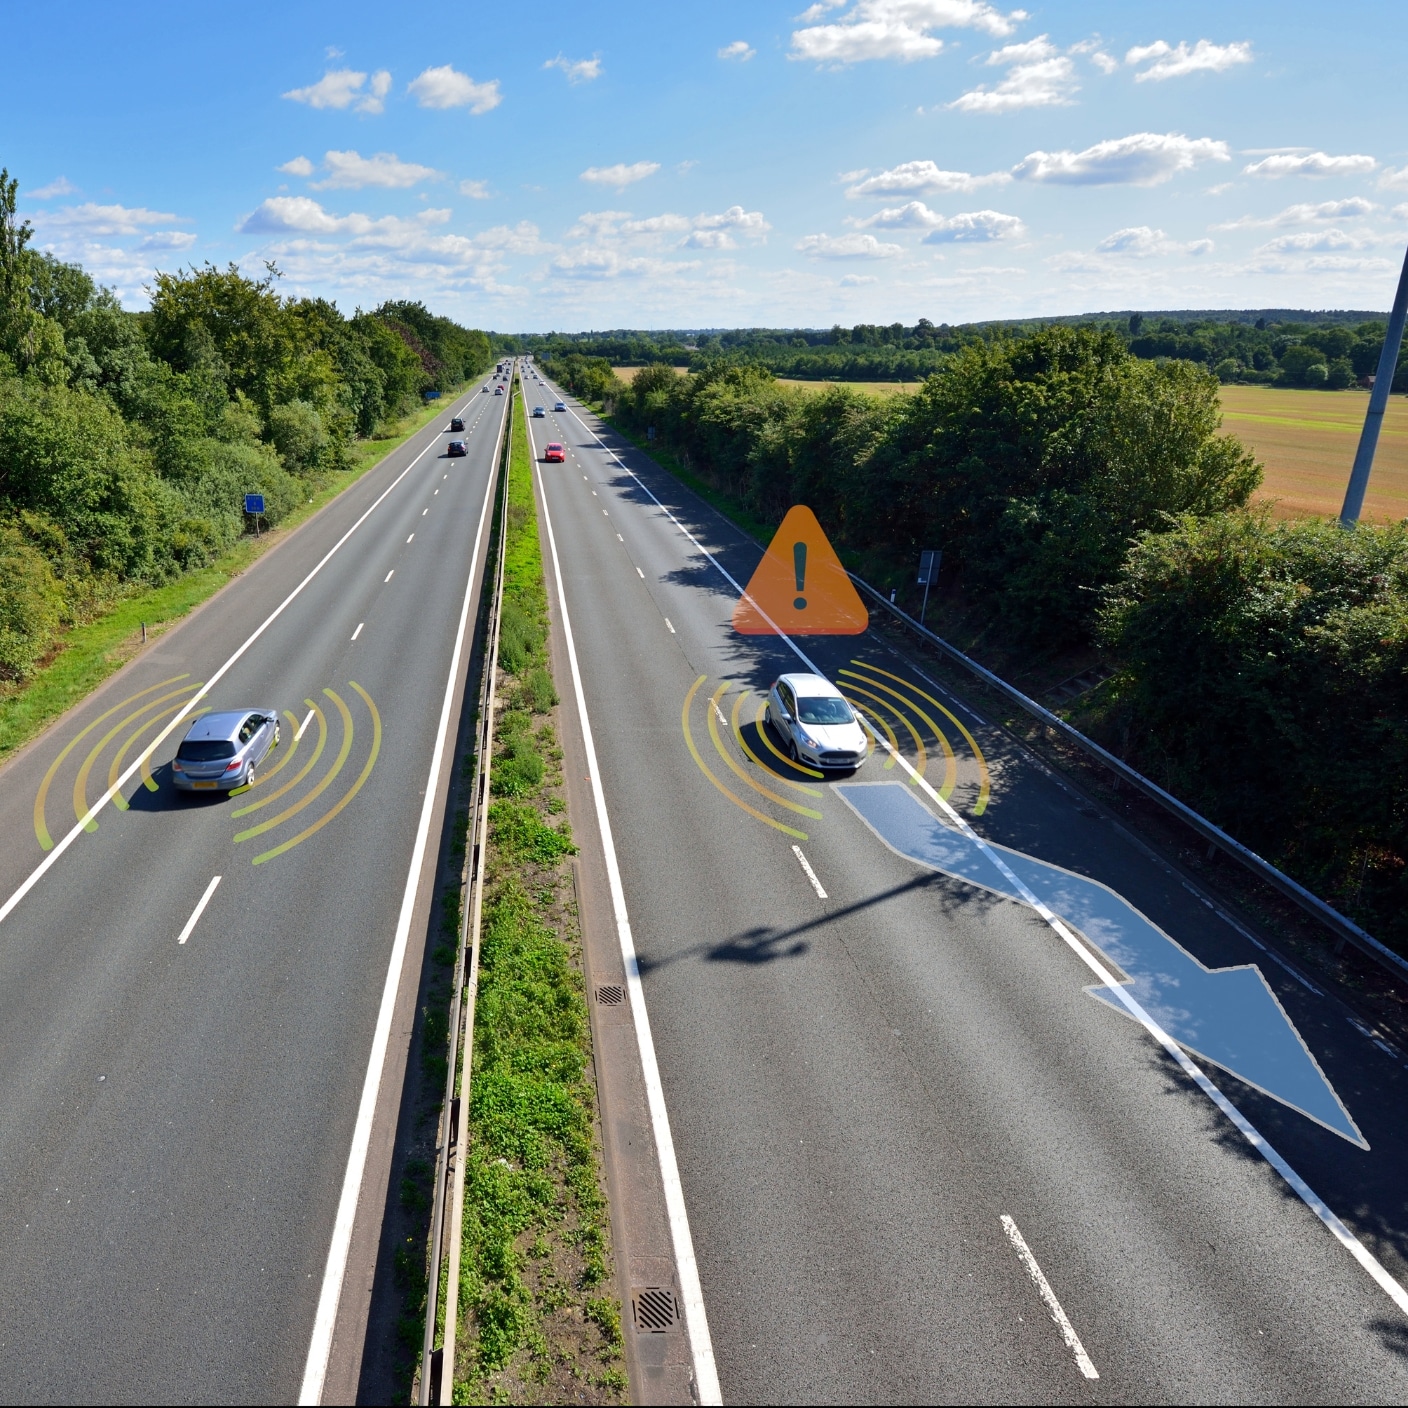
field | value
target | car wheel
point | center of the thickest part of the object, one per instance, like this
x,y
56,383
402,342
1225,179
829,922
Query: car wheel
x,y
249,776
792,750
276,735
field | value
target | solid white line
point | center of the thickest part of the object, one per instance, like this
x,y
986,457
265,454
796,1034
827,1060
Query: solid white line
x,y
42,869
388,577
309,718
1245,1128
706,1377
355,634
810,873
198,910
1068,1332
320,1346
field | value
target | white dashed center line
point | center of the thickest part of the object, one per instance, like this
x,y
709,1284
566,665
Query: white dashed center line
x,y
198,911
810,873
639,573
672,629
1043,1287
388,576
410,538
355,634
309,719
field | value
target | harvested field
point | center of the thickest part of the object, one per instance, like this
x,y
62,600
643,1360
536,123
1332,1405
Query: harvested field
x,y
628,374
1307,439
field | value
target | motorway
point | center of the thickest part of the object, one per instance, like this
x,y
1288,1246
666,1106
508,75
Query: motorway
x,y
180,1100
880,1079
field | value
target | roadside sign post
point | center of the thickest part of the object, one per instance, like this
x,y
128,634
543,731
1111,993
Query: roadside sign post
x,y
929,564
254,503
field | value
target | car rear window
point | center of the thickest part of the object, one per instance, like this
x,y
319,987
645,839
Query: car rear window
x,y
820,710
205,750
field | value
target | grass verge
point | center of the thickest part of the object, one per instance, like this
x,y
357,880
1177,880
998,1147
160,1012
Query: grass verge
x,y
91,652
538,1321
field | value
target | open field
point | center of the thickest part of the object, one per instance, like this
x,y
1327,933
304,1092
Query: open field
x,y
628,374
1307,439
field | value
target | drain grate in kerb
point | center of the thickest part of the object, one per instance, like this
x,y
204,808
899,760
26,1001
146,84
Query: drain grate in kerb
x,y
611,994
654,1309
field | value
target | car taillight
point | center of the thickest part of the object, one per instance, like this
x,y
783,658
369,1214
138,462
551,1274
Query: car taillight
x,y
230,767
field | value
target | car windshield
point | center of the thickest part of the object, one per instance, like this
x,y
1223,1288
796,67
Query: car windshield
x,y
205,750
820,710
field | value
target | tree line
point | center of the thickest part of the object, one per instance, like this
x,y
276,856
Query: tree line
x,y
1085,497
128,440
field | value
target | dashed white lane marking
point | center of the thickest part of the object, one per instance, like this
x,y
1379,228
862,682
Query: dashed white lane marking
x,y
411,538
355,634
810,873
672,629
198,910
639,573
388,576
308,719
604,514
619,538
720,713
424,511
437,491
1043,1286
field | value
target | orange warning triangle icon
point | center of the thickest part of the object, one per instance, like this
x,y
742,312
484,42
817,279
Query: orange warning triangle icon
x,y
800,587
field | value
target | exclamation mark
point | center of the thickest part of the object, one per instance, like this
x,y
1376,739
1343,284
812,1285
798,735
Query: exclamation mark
x,y
799,569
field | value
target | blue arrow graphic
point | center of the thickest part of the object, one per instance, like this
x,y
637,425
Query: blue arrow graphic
x,y
1228,1016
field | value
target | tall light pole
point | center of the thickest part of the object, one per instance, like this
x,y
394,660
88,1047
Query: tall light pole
x,y
1378,403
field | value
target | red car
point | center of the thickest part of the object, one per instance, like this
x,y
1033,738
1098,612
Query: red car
x,y
555,454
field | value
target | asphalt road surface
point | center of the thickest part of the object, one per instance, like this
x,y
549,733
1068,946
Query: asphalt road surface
x,y
178,1109
862,1086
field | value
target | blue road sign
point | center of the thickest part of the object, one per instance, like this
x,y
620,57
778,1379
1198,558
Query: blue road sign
x,y
929,563
254,503
1229,1016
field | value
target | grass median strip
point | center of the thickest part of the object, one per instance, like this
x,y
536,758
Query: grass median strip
x,y
90,653
538,1321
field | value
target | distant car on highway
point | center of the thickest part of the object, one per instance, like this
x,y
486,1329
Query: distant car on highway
x,y
485,388
457,424
222,749
498,391
554,454
816,725
455,448
560,406
538,413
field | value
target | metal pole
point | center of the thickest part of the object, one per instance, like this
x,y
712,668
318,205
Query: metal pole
x,y
925,606
1378,403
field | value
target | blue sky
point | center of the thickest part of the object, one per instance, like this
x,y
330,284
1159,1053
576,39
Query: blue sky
x,y
647,165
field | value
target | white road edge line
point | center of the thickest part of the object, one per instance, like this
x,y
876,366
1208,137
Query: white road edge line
x,y
1068,1331
706,1376
325,1322
810,873
355,634
42,869
198,910
309,719
1366,1259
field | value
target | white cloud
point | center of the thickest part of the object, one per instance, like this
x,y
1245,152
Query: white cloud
x,y
893,29
446,87
1038,77
1315,241
61,187
109,220
351,171
375,100
299,166
1310,164
577,70
739,50
1104,62
475,190
1142,242
922,178
1143,159
338,88
913,215
1305,213
1203,57
597,264
168,239
607,228
858,280
846,247
1393,179
974,225
621,175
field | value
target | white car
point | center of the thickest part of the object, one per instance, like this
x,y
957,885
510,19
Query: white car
x,y
815,724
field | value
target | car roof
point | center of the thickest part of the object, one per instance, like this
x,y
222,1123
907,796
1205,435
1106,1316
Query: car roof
x,y
223,724
810,685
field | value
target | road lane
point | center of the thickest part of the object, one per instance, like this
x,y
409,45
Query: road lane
x,y
178,1116
862,1087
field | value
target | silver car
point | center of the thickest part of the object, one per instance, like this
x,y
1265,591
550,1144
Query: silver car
x,y
222,749
815,724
